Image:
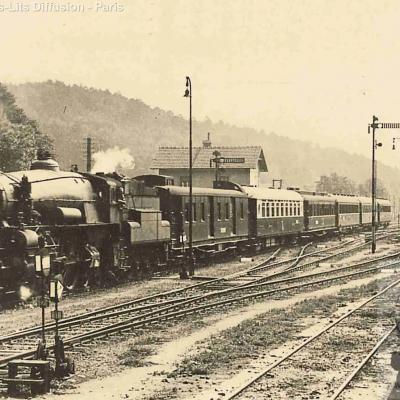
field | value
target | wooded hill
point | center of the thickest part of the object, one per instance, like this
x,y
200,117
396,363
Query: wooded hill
x,y
68,114
20,137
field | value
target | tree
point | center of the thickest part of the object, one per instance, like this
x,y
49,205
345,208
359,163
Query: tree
x,y
365,189
335,184
20,138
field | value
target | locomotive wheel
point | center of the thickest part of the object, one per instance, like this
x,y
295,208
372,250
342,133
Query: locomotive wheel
x,y
71,277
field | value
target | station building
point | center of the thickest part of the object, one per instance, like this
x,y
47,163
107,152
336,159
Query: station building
x,y
239,164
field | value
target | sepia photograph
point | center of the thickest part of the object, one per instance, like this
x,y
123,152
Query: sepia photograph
x,y
200,200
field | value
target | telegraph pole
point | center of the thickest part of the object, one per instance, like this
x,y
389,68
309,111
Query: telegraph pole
x,y
375,125
88,154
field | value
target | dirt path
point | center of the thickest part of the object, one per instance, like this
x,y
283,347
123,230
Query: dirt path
x,y
139,383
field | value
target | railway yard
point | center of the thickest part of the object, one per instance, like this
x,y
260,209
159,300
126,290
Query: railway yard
x,y
315,321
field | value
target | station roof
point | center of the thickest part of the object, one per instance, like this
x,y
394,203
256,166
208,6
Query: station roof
x,y
178,157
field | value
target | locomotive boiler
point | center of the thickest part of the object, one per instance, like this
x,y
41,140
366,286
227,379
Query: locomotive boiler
x,y
80,221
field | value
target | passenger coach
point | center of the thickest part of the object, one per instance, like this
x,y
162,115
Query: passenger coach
x,y
384,211
365,210
348,211
219,216
274,213
319,212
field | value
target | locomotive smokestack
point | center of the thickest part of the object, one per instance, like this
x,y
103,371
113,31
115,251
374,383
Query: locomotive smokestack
x,y
44,161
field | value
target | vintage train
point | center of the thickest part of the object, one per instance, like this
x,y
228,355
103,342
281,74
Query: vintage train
x,y
91,229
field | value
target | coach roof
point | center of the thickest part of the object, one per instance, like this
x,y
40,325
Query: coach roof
x,y
197,191
271,194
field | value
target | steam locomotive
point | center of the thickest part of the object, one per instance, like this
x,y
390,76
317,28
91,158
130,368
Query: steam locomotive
x,y
96,229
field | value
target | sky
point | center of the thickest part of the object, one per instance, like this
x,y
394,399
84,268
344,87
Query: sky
x,y
315,70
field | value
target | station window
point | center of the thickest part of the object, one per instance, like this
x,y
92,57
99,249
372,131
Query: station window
x,y
219,211
203,211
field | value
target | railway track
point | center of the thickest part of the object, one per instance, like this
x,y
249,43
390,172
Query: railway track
x,y
135,314
338,392
245,390
182,294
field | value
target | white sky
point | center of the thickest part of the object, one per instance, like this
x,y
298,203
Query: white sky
x,y
314,70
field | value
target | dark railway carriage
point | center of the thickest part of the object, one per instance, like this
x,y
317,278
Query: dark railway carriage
x,y
365,210
384,212
319,212
219,216
274,213
348,210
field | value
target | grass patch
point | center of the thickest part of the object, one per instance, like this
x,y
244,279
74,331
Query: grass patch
x,y
235,346
135,355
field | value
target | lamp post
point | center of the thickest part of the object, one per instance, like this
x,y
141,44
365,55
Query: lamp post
x,y
188,93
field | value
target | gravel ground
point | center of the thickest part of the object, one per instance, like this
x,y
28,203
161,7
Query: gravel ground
x,y
16,319
153,356
158,357
377,379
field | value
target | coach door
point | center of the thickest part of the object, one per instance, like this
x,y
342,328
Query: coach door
x,y
212,216
233,203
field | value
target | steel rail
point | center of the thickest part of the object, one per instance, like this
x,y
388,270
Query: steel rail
x,y
121,309
245,386
115,311
168,313
118,325
113,308
343,386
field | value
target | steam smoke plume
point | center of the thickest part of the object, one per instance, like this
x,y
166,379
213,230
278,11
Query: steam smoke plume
x,y
25,293
113,159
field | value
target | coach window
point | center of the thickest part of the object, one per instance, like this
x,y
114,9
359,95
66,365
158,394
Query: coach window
x,y
267,208
263,209
241,210
259,210
194,212
187,212
184,181
227,213
272,209
219,211
203,211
